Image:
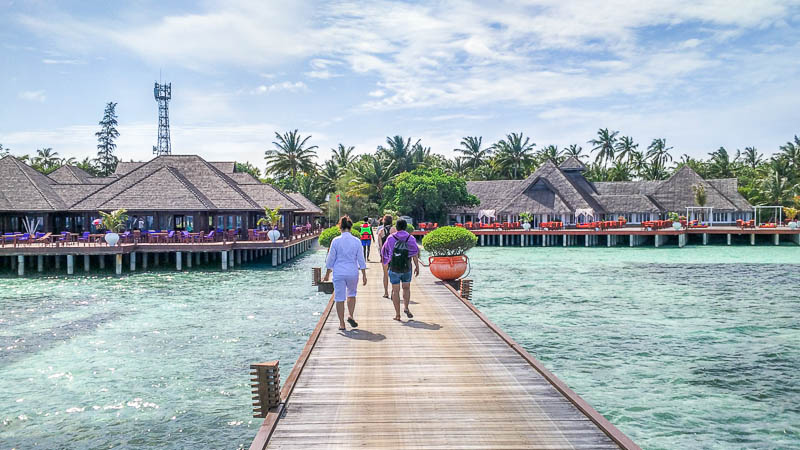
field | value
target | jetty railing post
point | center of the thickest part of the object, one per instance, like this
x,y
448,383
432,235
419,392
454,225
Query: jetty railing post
x,y
266,383
465,289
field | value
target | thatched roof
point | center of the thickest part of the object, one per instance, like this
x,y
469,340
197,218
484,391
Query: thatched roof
x,y
268,196
563,189
72,193
308,206
226,167
243,178
676,193
69,175
126,167
572,163
25,189
204,179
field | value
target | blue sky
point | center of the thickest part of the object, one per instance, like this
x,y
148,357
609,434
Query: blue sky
x,y
700,73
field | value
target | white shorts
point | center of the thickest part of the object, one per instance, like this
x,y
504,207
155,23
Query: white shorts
x,y
344,287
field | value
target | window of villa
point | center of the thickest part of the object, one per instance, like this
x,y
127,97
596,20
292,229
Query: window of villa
x,y
238,222
189,223
230,222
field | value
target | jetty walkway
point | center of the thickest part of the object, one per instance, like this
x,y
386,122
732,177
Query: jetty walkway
x,y
448,378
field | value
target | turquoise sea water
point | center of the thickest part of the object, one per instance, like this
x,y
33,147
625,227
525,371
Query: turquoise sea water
x,y
151,360
680,348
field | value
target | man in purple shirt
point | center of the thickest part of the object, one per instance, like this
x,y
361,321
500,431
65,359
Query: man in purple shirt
x,y
395,258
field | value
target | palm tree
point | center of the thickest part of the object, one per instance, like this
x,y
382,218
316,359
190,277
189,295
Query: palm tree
x,y
420,155
658,153
71,161
399,150
474,155
791,152
514,153
625,148
575,151
752,158
46,160
290,156
329,174
4,151
776,190
88,165
550,152
619,171
721,165
604,145
371,174
343,156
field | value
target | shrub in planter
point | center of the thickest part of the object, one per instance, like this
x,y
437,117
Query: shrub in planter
x,y
447,246
327,236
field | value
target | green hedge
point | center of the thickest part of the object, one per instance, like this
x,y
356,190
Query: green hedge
x,y
327,236
449,241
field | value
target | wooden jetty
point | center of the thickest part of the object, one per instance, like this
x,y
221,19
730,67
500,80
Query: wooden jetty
x,y
448,378
141,256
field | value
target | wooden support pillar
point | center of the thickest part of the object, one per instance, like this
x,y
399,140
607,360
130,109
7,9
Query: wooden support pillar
x,y
40,262
144,260
197,259
87,262
133,262
630,240
564,238
752,239
238,255
189,260
58,262
777,240
274,254
118,263
178,260
658,240
729,239
156,258
231,259
586,239
205,257
482,237
682,240
102,259
501,240
608,240
70,264
705,238
223,256
21,265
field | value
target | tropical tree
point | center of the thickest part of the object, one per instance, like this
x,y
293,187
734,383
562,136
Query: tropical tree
x,y
46,160
550,152
791,153
329,173
247,167
291,155
428,194
474,154
575,151
88,165
370,175
776,190
604,145
106,160
4,151
399,150
721,164
514,154
619,171
342,156
625,148
752,158
658,153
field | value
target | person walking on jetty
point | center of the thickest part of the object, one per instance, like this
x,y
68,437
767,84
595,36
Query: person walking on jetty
x,y
383,233
366,237
399,250
345,259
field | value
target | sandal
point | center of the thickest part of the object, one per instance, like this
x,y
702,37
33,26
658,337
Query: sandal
x,y
397,319
408,313
352,322
343,329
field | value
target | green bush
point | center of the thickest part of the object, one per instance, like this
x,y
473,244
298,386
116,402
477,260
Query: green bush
x,y
449,241
327,236
356,230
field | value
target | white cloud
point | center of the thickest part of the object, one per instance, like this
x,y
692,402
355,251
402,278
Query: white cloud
x,y
377,93
60,61
289,86
33,96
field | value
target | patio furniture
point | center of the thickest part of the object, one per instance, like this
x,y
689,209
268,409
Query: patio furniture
x,y
84,237
209,237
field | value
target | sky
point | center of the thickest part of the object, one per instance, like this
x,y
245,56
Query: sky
x,y
700,73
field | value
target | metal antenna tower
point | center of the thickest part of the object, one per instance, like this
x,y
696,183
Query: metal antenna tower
x,y
163,93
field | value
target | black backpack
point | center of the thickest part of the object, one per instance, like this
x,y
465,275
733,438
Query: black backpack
x,y
399,262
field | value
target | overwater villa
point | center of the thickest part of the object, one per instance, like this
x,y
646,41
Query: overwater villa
x,y
175,192
561,193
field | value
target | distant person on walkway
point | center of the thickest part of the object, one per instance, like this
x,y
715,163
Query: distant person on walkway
x,y
345,259
366,237
399,250
383,233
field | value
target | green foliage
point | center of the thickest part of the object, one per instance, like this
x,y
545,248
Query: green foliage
x,y
106,160
328,235
271,217
291,155
356,229
246,167
700,196
526,217
449,241
673,216
427,194
113,221
790,212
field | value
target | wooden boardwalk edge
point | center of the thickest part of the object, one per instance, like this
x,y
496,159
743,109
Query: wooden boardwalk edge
x,y
271,421
598,419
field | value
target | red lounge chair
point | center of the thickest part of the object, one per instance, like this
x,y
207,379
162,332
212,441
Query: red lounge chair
x,y
468,225
768,225
459,225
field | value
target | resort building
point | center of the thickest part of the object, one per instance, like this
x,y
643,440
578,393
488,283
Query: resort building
x,y
561,193
174,192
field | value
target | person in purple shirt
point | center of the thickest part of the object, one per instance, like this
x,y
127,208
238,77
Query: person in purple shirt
x,y
394,256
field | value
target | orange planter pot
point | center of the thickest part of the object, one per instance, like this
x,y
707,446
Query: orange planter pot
x,y
448,268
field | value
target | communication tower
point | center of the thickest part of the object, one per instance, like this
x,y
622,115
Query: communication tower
x,y
163,93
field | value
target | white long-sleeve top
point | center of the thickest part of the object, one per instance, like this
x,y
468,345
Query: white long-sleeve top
x,y
345,256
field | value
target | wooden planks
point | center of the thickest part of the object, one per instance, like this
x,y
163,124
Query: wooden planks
x,y
445,379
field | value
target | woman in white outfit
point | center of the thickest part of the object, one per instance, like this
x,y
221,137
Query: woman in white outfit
x,y
345,259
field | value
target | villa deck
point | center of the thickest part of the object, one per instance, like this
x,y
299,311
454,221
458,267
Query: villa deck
x,y
448,378
140,256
